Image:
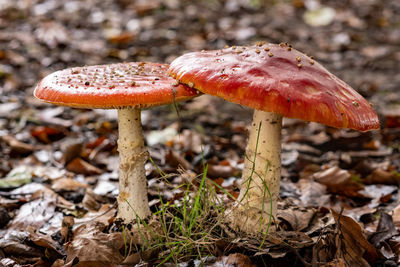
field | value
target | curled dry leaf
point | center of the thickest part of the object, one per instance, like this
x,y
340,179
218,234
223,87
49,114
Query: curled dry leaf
x,y
104,215
352,246
59,201
175,160
17,146
312,193
14,244
136,258
380,176
396,216
58,263
121,38
80,166
145,7
72,150
324,249
296,218
54,249
385,230
67,184
34,213
91,246
92,201
395,246
339,181
378,193
66,228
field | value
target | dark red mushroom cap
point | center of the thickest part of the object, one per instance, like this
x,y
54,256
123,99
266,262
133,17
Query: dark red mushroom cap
x,y
113,86
276,78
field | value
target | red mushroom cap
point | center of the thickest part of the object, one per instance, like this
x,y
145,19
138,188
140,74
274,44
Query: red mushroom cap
x,y
276,78
113,86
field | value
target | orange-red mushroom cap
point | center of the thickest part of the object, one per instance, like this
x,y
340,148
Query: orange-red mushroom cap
x,y
113,86
279,79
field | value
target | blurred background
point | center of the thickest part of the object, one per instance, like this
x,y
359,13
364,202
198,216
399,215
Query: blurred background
x,y
356,39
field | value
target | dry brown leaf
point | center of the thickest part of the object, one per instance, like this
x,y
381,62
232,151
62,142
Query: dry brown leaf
x,y
71,150
92,201
140,256
395,246
48,193
143,8
91,246
339,181
385,230
80,166
17,146
335,263
122,38
175,160
58,263
396,216
34,213
324,249
312,193
104,215
13,244
40,212
379,176
66,228
67,184
352,246
298,219
42,240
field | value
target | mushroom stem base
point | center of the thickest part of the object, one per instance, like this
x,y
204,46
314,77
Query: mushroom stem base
x,y
132,199
256,207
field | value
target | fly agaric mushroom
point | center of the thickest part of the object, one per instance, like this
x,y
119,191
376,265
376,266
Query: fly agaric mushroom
x,y
128,87
276,81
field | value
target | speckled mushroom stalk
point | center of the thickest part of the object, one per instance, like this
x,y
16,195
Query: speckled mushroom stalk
x,y
276,81
127,87
132,198
261,175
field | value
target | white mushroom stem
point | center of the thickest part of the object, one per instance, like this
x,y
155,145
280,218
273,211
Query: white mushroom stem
x,y
257,202
132,199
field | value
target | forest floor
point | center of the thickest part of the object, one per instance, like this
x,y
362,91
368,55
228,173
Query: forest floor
x,y
339,197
